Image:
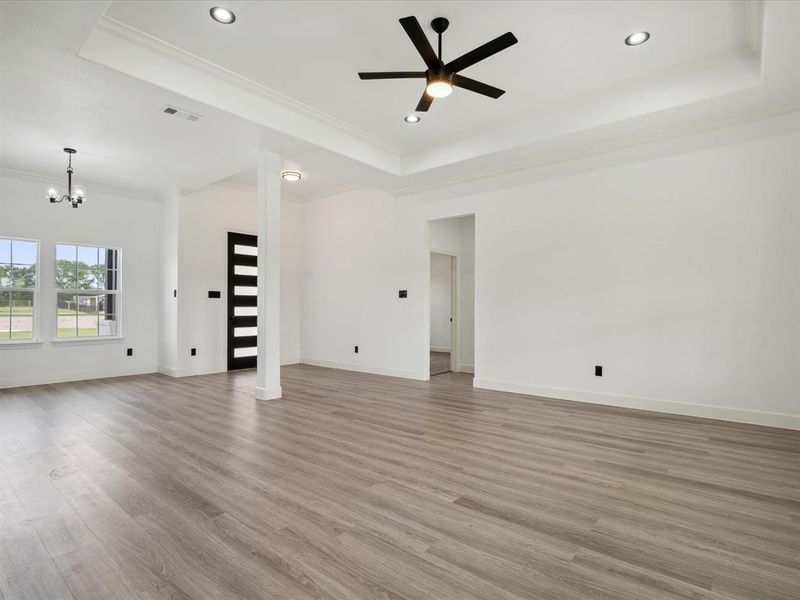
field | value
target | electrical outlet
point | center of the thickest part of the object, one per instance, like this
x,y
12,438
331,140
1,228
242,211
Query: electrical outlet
x,y
129,352
194,351
598,370
402,294
356,350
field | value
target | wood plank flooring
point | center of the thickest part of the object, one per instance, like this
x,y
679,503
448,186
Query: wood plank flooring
x,y
364,487
439,363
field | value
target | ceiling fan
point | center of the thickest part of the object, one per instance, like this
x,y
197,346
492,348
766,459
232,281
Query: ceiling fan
x,y
440,77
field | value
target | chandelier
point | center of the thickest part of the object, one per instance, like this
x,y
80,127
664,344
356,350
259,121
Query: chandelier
x,y
74,197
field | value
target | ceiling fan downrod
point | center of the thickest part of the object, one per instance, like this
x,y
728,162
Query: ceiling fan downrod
x,y
439,25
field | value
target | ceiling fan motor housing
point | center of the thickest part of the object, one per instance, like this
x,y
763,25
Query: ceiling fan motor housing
x,y
441,75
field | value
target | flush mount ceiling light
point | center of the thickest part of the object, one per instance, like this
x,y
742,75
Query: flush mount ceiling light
x,y
74,197
222,15
411,119
634,39
291,175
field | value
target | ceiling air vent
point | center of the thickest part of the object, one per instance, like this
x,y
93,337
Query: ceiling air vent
x,y
179,112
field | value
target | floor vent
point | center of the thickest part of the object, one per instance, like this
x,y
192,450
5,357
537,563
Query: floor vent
x,y
179,112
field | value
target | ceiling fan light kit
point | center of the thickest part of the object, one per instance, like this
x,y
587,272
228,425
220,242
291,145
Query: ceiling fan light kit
x,y
441,77
439,87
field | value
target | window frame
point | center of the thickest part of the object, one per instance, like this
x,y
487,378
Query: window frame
x,y
88,292
36,338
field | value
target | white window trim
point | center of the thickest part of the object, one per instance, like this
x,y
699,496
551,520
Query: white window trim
x,y
18,344
37,338
88,340
56,341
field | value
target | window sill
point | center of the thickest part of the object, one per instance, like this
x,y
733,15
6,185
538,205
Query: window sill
x,y
17,344
79,341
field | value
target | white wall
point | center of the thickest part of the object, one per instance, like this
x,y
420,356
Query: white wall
x,y
178,242
131,224
358,251
441,300
679,275
205,218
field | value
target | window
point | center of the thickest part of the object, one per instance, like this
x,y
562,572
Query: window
x,y
87,288
18,278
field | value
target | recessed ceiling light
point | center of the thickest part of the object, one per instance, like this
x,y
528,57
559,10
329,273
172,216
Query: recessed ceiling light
x,y
291,175
222,15
411,118
634,39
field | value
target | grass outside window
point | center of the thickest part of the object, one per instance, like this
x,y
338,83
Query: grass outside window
x,y
86,291
18,287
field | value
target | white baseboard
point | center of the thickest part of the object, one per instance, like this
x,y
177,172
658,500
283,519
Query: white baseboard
x,y
708,411
207,369
43,379
439,349
188,372
268,393
346,366
467,369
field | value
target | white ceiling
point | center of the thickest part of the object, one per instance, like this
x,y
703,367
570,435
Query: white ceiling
x,y
311,52
283,77
52,99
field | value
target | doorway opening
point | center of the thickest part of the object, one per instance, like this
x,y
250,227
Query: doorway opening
x,y
451,295
443,308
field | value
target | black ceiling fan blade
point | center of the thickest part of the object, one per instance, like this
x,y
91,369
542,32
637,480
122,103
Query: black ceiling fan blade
x,y
424,103
478,54
421,43
477,86
393,75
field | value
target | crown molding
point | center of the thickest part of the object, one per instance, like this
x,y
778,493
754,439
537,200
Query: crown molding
x,y
773,111
711,63
235,185
333,191
610,145
252,189
145,40
130,193
753,27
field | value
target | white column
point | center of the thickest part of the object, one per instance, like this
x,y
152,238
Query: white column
x,y
268,375
169,350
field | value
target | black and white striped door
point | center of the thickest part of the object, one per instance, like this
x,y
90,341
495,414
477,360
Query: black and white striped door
x,y
242,300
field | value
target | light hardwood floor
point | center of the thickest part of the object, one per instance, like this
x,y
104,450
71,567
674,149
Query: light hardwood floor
x,y
365,487
439,363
